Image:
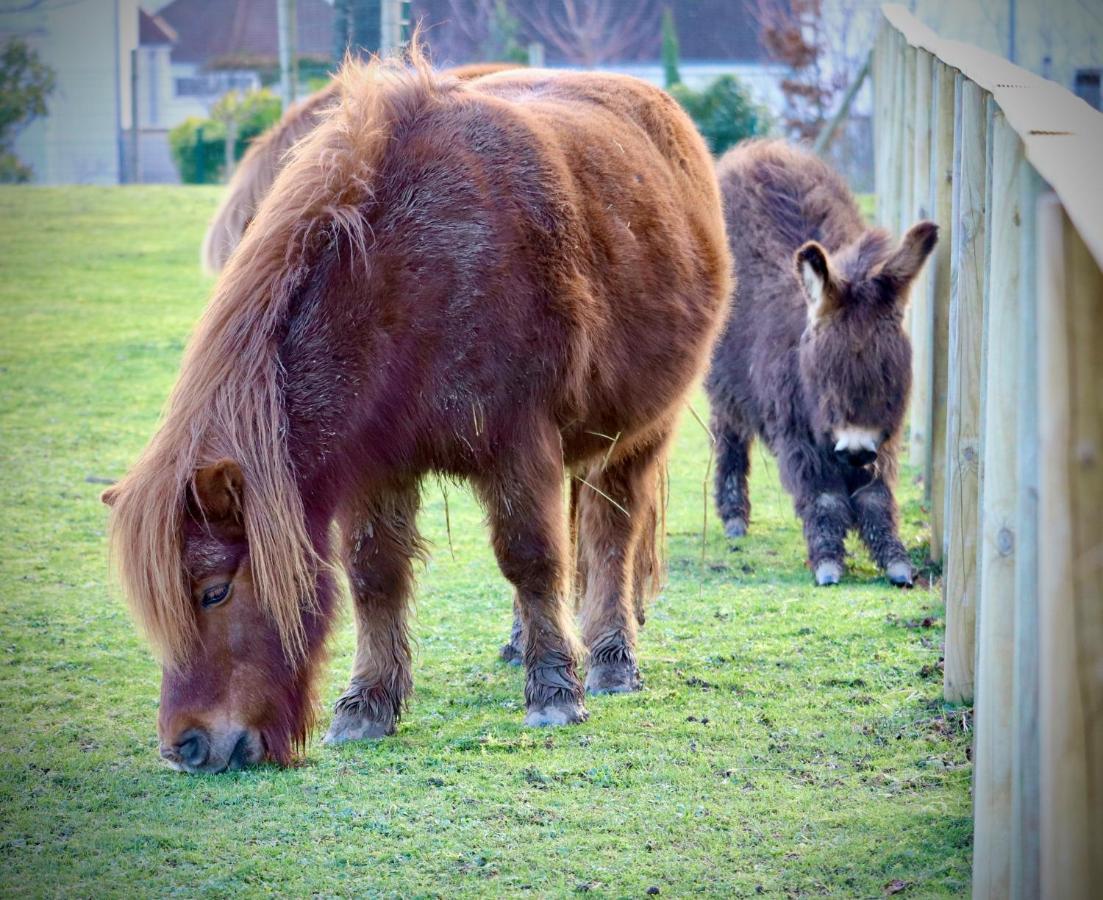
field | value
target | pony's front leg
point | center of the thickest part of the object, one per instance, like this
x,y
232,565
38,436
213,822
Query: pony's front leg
x,y
616,544
524,503
513,650
823,505
733,466
381,541
875,508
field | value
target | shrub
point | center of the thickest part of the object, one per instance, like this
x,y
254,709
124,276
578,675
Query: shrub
x,y
724,112
199,145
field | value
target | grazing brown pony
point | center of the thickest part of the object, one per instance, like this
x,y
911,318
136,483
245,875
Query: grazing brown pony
x,y
814,357
505,280
262,162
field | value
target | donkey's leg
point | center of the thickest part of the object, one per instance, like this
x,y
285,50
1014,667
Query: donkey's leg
x,y
524,504
617,542
381,542
823,504
733,465
878,523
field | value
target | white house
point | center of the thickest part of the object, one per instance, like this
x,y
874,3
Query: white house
x,y
88,44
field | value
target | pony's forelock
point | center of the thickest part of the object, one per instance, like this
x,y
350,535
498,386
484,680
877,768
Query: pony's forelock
x,y
228,400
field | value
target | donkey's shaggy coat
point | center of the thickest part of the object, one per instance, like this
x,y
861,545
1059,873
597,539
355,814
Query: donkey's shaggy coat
x,y
504,280
262,162
814,357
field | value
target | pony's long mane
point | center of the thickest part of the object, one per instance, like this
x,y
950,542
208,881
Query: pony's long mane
x,y
256,173
229,399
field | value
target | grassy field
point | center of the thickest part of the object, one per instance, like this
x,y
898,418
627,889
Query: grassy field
x,y
789,741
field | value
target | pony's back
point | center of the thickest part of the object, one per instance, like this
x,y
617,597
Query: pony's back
x,y
266,156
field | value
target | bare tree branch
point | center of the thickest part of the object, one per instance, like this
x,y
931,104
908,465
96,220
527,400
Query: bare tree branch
x,y
592,32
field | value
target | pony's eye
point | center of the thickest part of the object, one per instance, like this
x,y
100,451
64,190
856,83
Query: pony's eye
x,y
215,595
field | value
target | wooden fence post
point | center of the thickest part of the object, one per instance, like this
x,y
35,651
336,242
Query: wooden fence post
x,y
1024,737
907,141
922,332
959,581
1070,558
938,286
997,538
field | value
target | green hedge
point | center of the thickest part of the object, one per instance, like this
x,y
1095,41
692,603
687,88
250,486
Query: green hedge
x,y
724,112
199,145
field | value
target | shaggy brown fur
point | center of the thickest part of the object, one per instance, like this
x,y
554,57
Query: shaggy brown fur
x,y
814,357
262,162
482,279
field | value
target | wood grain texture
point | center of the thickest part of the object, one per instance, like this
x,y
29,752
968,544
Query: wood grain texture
x,y
964,389
939,289
1070,558
992,756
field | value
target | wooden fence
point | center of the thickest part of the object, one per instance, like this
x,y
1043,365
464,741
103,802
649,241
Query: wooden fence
x,y
1007,430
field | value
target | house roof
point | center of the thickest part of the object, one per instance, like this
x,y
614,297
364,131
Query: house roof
x,y
217,30
153,30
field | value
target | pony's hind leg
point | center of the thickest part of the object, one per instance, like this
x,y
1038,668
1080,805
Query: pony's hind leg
x,y
381,541
528,529
617,547
733,466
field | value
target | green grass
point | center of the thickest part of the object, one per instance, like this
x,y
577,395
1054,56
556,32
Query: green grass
x,y
789,740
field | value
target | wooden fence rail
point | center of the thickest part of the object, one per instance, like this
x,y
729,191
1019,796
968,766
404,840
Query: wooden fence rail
x,y
1007,431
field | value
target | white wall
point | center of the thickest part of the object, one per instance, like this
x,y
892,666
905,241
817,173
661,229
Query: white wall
x,y
87,43
1069,32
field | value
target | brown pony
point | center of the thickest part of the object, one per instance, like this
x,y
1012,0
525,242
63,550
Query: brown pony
x,y
507,280
814,357
262,162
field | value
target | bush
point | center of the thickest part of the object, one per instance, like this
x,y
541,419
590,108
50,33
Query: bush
x,y
724,112
199,145
12,171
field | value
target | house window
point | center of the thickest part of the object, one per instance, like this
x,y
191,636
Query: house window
x,y
215,84
1087,86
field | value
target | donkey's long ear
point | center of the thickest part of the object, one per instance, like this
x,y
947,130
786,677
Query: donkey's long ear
x,y
821,286
218,491
904,264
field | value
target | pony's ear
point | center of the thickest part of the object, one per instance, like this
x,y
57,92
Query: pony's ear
x,y
821,286
218,490
110,495
901,268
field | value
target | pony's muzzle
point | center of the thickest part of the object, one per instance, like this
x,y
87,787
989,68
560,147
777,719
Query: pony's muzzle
x,y
196,750
856,458
855,446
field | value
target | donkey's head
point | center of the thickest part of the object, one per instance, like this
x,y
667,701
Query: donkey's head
x,y
855,357
233,692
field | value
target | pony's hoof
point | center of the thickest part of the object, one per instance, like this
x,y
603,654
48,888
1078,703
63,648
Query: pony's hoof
x,y
511,654
555,714
735,528
621,677
828,572
900,573
347,727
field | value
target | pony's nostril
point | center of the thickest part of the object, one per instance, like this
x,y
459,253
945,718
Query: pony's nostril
x,y
193,748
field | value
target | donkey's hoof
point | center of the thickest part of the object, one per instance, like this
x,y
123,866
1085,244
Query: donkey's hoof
x,y
347,727
900,573
511,654
828,572
620,677
735,528
555,714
